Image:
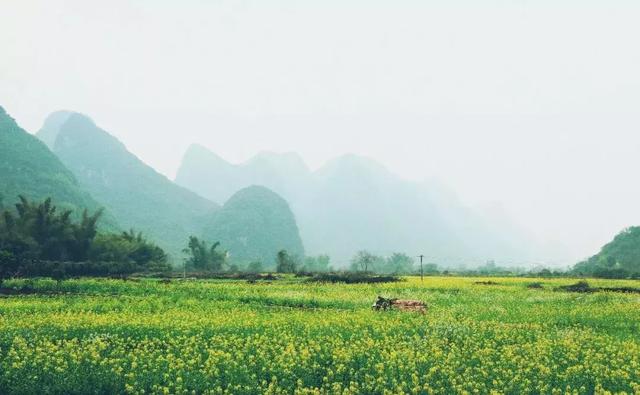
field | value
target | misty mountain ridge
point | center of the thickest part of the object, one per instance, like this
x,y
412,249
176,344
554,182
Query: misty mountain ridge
x,y
354,202
51,127
350,203
29,168
254,224
137,195
218,179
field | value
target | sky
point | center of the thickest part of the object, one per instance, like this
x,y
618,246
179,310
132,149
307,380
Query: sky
x,y
533,106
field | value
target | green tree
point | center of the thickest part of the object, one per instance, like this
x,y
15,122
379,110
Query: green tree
x,y
9,265
129,247
255,267
320,263
201,256
285,263
398,263
39,231
430,269
364,261
39,240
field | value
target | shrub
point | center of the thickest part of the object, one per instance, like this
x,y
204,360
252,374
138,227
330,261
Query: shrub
x,y
352,278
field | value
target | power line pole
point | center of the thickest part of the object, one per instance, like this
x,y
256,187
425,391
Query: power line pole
x,y
421,272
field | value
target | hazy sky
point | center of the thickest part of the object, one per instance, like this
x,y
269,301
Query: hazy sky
x,y
531,104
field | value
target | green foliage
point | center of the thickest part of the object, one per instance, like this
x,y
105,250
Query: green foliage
x,y
9,264
398,263
430,269
285,263
200,256
38,239
127,247
254,267
254,224
620,258
39,231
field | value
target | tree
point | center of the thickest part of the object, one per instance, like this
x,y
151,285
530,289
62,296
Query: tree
x,y
9,265
40,240
85,233
254,267
364,261
285,263
320,263
431,269
398,263
129,247
200,256
40,231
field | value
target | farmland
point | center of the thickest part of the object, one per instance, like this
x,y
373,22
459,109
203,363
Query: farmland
x,y
288,336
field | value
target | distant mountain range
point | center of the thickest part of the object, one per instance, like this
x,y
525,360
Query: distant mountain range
x,y
355,203
351,203
82,166
137,195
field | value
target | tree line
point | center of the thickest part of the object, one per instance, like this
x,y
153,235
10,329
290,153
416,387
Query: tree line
x,y
39,239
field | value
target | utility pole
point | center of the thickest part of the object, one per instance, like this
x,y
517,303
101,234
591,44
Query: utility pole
x,y
421,272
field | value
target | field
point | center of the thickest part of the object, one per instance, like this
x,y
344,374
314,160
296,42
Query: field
x,y
233,337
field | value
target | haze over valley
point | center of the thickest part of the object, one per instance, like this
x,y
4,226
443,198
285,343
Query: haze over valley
x,y
465,134
351,204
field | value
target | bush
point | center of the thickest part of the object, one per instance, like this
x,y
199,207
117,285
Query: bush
x,y
580,286
255,267
60,270
352,278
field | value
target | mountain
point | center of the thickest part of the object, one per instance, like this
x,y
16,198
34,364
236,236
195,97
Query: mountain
x,y
28,167
209,175
51,127
618,258
354,203
137,195
253,225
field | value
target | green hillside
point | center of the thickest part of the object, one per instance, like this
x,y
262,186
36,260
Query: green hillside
x,y
618,258
137,195
29,168
253,225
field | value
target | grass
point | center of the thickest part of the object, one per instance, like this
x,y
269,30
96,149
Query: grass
x,y
286,336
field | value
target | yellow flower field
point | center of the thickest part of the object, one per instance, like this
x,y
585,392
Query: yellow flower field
x,y
284,337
